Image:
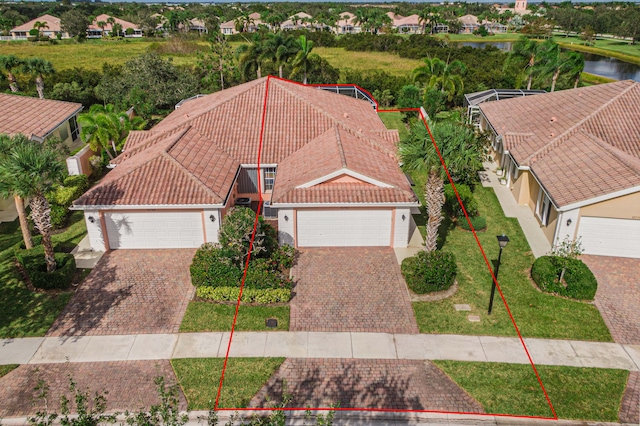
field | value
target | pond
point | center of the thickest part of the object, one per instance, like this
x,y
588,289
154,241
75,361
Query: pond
x,y
593,64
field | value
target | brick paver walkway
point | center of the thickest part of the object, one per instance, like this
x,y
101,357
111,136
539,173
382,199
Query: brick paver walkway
x,y
130,292
394,384
618,295
630,408
130,385
350,289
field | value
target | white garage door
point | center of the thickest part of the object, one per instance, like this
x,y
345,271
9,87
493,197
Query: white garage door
x,y
140,230
610,237
326,228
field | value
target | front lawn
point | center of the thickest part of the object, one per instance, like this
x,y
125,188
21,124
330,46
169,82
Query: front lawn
x,y
22,312
205,316
537,314
575,393
199,379
6,369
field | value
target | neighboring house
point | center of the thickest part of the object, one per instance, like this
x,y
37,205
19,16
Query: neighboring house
x,y
328,172
405,24
21,32
347,24
494,27
440,28
472,101
298,21
198,26
94,31
573,157
39,119
469,23
229,27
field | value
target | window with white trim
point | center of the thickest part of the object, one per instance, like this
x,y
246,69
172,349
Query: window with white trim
x,y
543,207
269,178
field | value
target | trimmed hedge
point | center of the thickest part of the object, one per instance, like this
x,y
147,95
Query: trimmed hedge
x,y
451,201
34,264
62,196
427,272
479,223
249,295
580,281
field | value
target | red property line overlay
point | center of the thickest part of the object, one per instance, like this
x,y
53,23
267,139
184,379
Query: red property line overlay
x,y
255,224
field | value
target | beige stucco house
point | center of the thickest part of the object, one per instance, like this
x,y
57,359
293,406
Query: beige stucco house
x,y
573,157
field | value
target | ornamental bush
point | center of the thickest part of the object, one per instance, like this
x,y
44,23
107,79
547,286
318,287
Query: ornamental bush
x,y
249,295
579,282
34,264
62,196
452,205
427,272
479,223
213,266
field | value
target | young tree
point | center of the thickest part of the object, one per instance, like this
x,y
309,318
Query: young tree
x,y
40,26
75,23
441,75
565,251
458,147
250,58
218,60
105,128
38,67
29,170
8,63
279,49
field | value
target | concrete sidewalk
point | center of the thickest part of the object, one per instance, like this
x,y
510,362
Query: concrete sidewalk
x,y
529,224
318,345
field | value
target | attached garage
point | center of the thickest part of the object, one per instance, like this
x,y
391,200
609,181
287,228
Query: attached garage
x,y
344,228
610,237
147,230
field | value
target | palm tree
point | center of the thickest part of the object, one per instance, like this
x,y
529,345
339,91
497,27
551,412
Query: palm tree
x,y
8,63
458,146
101,25
30,170
555,62
250,57
438,74
279,49
301,61
6,143
38,67
105,128
424,17
528,51
40,26
574,65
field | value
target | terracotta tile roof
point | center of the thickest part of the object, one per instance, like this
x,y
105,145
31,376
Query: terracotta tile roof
x,y
33,116
104,17
211,136
581,143
53,24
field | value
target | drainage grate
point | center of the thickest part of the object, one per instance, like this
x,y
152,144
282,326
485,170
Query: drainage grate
x,y
271,322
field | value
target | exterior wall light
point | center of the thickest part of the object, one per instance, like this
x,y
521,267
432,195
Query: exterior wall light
x,y
212,218
568,222
404,217
91,219
286,218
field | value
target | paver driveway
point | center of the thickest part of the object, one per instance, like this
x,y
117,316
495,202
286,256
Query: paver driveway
x,y
130,292
350,289
618,295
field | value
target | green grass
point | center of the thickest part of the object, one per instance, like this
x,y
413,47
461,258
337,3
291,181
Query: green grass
x,y
22,312
592,79
243,378
365,61
537,314
575,393
619,49
393,120
6,369
475,38
205,316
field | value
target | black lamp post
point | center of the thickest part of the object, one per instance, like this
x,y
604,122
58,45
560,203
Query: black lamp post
x,y
503,240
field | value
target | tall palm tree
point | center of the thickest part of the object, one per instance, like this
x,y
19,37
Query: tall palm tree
x,y
8,63
458,146
105,128
574,65
424,18
30,170
101,25
554,62
6,144
279,49
301,61
38,67
528,52
250,58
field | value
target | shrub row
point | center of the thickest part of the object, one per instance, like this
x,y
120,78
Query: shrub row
x,y
61,197
34,264
430,271
213,266
580,282
249,295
